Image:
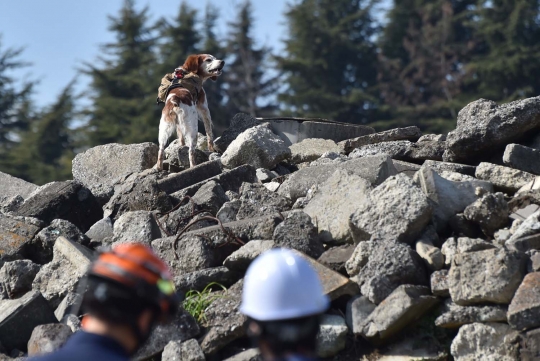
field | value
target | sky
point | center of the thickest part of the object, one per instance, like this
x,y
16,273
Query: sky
x,y
59,36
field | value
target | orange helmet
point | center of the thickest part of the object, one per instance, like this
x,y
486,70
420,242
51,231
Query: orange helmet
x,y
132,273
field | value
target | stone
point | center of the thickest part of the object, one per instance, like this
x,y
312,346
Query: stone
x,y
48,338
485,341
227,212
454,316
264,175
490,212
397,209
241,259
358,310
404,305
258,201
198,280
505,178
98,168
298,232
393,149
530,345
491,275
13,186
534,265
257,146
182,328
431,255
462,227
428,150
100,230
408,133
466,244
223,323
65,200
439,167
10,205
41,247
375,169
142,192
191,176
251,354
16,277
188,350
272,186
136,227
483,126
178,155
531,186
522,158
332,335
414,348
65,308
406,168
309,150
524,310
16,233
19,317
334,203
336,257
238,124
432,137
439,283
529,227
380,266
524,213
55,279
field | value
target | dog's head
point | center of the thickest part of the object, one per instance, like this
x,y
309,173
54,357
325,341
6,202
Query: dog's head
x,y
204,65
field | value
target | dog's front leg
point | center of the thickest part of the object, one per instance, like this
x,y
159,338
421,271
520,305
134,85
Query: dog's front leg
x,y
204,112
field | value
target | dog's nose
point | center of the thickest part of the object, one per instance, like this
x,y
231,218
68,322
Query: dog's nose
x,y
222,62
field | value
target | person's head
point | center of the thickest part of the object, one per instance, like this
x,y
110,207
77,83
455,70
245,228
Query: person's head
x,y
283,299
129,289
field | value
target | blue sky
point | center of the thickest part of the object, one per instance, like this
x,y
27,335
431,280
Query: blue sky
x,y
59,35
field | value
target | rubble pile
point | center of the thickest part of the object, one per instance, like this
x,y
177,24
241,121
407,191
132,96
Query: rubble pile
x,y
428,245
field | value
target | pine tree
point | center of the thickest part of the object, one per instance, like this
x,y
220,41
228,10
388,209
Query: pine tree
x,y
330,60
246,76
125,86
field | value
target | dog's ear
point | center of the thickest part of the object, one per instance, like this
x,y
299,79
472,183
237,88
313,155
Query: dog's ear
x,y
192,64
214,78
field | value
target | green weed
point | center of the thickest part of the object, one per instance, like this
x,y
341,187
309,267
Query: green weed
x,y
196,302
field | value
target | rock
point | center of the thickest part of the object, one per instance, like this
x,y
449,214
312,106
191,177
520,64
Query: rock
x,y
99,167
490,212
492,276
525,306
534,265
439,283
64,309
183,327
298,232
251,354
408,133
258,201
358,310
272,186
414,348
485,341
406,168
264,175
432,137
507,179
432,255
454,316
404,305
531,186
223,322
393,149
465,244
397,209
12,187
375,169
183,351
227,212
238,124
16,277
198,280
256,146
136,227
140,193
450,167
48,338
524,213
16,233
178,155
311,149
190,177
428,150
333,204
522,158
33,309
41,247
530,345
336,257
55,279
380,266
462,227
100,230
332,335
483,126
529,227
241,259
449,250
448,197
10,205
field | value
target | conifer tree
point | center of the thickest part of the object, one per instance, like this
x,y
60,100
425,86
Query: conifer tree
x,y
246,72
330,60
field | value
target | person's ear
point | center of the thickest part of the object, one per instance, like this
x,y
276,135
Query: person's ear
x,y
145,320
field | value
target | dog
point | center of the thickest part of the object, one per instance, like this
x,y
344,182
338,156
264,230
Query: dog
x,y
184,104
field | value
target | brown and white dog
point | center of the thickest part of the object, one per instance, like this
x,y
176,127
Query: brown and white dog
x,y
182,106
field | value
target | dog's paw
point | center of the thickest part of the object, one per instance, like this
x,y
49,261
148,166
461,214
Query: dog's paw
x,y
211,146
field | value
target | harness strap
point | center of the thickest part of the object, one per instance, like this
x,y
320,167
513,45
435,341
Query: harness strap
x,y
177,83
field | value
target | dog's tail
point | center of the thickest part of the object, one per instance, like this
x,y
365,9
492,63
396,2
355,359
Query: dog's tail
x,y
171,106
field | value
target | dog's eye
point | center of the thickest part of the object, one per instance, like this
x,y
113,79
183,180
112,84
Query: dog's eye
x,y
208,60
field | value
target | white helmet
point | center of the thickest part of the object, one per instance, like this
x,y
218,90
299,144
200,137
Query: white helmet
x,y
281,285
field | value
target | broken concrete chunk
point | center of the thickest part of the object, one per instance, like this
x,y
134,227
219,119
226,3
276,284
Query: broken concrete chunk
x,y
48,338
336,257
507,179
332,335
210,196
178,155
408,133
16,233
198,280
100,230
258,201
298,232
136,227
393,149
13,186
522,158
241,259
41,247
490,212
524,310
454,316
450,167
189,177
431,255
238,124
16,277
358,310
311,149
439,283
183,351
